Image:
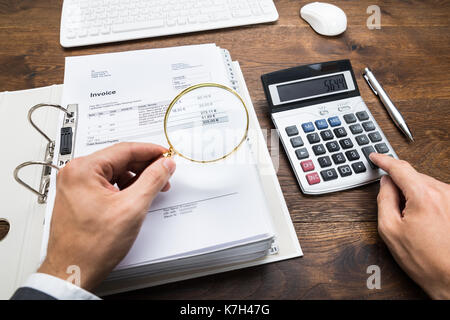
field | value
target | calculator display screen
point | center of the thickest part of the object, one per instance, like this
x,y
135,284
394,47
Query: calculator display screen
x,y
314,87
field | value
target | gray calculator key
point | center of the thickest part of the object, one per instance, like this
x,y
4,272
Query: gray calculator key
x,y
296,142
356,128
375,136
362,115
324,161
338,158
349,118
302,153
340,132
326,135
318,149
291,131
382,148
358,167
352,155
368,126
367,151
332,146
346,143
329,174
345,171
362,139
313,137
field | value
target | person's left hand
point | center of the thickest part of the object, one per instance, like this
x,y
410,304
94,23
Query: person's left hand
x,y
94,223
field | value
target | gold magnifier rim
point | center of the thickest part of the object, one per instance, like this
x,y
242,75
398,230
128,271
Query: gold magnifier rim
x,y
172,149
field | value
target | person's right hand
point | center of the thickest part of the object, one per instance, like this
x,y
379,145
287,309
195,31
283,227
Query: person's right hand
x,y
417,235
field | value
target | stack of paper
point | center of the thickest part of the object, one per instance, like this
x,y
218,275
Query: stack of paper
x,y
214,214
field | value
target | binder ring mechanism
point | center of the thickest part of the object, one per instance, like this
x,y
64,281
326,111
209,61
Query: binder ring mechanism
x,y
65,151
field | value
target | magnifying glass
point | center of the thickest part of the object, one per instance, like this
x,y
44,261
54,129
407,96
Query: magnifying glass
x,y
206,123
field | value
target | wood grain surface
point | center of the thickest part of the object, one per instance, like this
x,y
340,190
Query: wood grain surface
x,y
410,56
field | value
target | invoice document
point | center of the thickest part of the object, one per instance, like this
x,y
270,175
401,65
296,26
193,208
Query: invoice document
x,y
123,97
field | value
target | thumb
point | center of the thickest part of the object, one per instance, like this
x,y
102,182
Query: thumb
x,y
388,200
152,180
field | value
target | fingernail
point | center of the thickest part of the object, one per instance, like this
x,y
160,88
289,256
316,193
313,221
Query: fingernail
x,y
169,164
383,180
372,155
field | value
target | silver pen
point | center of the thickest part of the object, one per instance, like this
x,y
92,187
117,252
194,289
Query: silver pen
x,y
390,107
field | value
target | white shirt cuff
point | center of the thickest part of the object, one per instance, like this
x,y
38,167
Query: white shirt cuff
x,y
58,288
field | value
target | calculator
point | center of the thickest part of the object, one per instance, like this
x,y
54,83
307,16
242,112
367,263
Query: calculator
x,y
325,127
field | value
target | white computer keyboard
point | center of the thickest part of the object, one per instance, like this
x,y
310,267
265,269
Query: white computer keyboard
x,y
90,22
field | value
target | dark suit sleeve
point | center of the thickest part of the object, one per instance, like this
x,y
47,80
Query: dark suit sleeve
x,y
26,293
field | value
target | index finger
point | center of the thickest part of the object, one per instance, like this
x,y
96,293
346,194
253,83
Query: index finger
x,y
116,159
401,172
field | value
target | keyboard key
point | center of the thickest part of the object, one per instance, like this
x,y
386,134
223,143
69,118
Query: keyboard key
x,y
340,132
321,124
291,131
296,142
362,139
307,165
318,149
356,128
308,127
313,178
313,138
332,146
345,171
326,135
349,118
334,121
368,126
375,136
338,158
302,153
324,161
362,115
352,155
367,151
135,26
329,174
382,148
358,167
346,143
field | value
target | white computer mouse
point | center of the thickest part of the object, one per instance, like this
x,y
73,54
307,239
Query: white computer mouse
x,y
326,19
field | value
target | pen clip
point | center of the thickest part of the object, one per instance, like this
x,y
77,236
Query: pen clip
x,y
370,85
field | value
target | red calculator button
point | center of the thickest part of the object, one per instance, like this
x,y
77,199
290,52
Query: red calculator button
x,y
307,165
313,178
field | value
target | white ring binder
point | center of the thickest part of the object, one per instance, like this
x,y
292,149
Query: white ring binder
x,y
68,129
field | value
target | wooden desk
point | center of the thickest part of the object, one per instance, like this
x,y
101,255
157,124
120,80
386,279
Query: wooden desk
x,y
410,55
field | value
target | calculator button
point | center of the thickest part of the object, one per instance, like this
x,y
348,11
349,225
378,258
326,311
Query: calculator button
x,y
382,148
313,137
302,153
324,161
332,146
367,151
307,165
346,143
358,167
350,118
291,131
345,171
296,142
362,139
318,149
326,135
313,178
321,124
352,155
356,128
340,132
334,121
338,158
368,126
308,127
329,174
362,115
375,136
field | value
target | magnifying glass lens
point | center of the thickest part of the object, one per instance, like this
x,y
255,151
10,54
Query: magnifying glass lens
x,y
206,123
